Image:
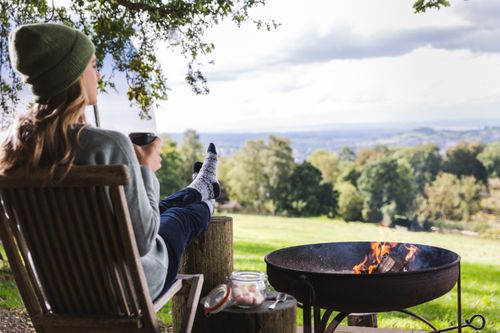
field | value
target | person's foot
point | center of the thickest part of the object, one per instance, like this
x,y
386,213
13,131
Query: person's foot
x,y
196,169
211,205
206,180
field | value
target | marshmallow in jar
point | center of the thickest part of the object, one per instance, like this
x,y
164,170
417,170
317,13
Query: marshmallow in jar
x,y
248,288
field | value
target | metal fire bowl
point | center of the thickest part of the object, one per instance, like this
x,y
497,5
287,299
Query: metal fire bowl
x,y
327,270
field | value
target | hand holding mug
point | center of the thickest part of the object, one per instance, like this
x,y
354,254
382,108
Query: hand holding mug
x,y
147,147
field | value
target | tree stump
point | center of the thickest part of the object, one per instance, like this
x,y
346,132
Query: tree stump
x,y
212,255
257,320
362,319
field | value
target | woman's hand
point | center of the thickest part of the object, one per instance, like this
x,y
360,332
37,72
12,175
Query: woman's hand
x,y
149,155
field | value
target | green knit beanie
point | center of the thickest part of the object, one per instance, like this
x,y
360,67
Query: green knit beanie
x,y
50,57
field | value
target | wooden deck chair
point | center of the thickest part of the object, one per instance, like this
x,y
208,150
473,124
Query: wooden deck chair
x,y
73,254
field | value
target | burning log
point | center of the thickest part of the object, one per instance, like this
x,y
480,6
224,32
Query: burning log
x,y
386,257
390,263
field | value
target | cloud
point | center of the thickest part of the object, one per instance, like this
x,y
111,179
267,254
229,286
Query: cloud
x,y
342,43
479,34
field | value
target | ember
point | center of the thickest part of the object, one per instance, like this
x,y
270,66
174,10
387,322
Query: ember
x,y
386,257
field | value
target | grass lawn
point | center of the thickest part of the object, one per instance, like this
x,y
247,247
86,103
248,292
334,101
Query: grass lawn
x,y
255,236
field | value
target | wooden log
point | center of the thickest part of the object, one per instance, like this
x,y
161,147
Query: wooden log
x,y
211,254
362,319
257,320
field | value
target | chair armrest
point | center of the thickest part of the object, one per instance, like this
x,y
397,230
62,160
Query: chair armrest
x,y
194,294
163,299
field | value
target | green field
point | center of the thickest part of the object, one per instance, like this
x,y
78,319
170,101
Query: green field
x,y
255,236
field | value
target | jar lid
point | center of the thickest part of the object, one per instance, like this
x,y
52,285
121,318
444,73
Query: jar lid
x,y
248,276
217,299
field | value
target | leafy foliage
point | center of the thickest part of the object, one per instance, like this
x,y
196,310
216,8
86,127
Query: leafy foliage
x,y
169,175
462,160
247,179
451,198
307,196
384,181
190,151
425,161
421,6
490,157
369,155
328,163
350,202
278,167
129,33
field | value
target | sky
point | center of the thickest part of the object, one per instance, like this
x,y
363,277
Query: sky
x,y
334,62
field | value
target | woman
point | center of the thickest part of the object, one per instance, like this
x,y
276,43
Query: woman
x,y
59,65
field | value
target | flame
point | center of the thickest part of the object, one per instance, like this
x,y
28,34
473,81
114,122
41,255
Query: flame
x,y
379,249
357,269
412,249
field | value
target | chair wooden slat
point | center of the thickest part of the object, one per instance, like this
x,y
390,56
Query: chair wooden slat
x,y
96,246
118,249
96,291
117,195
51,239
66,255
98,175
108,253
44,266
72,246
23,280
23,250
91,324
28,221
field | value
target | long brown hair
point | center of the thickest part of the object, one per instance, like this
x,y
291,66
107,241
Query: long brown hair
x,y
40,139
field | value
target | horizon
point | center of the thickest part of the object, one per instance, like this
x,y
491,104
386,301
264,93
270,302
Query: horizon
x,y
443,125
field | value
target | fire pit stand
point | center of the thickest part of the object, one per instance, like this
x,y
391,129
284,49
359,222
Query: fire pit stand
x,y
321,324
313,274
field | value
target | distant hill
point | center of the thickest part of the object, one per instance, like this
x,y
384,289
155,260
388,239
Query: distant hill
x,y
304,143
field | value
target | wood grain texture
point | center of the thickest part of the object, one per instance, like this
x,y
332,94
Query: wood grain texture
x,y
211,254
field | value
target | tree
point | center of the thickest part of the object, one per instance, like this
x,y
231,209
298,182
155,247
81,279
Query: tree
x,y
190,151
169,176
369,155
307,196
128,33
425,161
224,166
490,157
348,173
278,167
462,160
347,154
326,162
247,179
451,198
385,181
350,202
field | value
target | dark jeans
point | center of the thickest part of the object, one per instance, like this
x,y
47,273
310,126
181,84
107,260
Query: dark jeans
x,y
183,217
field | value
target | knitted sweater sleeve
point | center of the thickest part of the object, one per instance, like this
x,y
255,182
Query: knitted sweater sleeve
x,y
143,191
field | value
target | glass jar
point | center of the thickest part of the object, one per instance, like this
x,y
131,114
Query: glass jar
x,y
245,289
248,288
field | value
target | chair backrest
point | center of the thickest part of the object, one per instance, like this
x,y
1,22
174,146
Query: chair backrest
x,y
72,251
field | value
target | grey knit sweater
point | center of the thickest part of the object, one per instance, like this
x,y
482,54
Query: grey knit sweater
x,y
98,146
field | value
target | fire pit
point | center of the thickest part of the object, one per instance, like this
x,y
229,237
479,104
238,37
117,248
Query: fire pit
x,y
321,276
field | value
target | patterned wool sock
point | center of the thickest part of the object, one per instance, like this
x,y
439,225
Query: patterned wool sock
x,y
211,204
206,181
